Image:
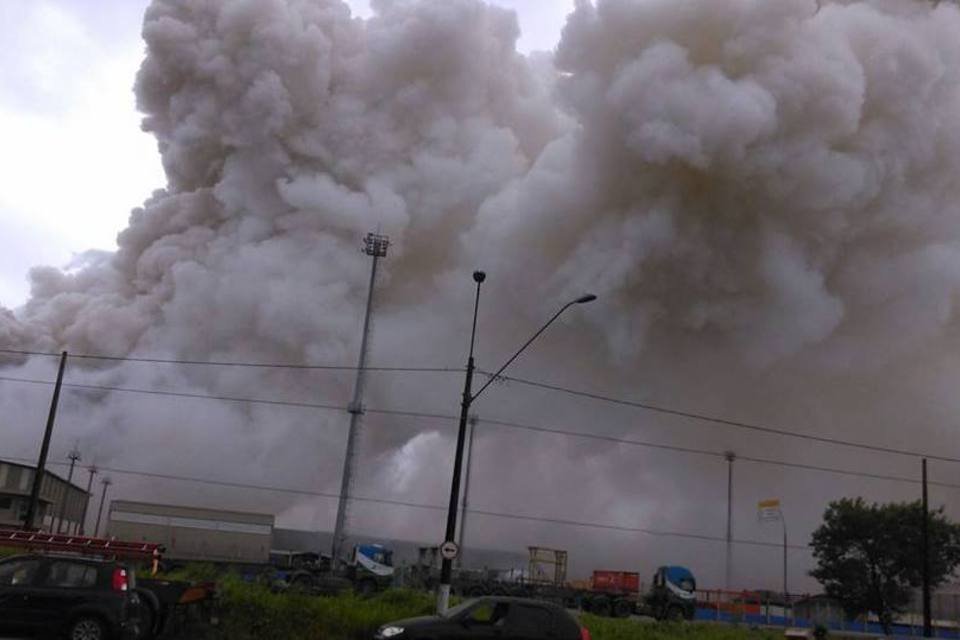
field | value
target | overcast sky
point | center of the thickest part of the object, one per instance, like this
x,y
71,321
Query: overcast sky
x,y
73,159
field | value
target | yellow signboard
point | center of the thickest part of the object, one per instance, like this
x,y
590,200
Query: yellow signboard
x,y
769,510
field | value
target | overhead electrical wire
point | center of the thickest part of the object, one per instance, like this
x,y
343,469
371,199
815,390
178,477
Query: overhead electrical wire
x,y
723,421
220,363
645,406
514,425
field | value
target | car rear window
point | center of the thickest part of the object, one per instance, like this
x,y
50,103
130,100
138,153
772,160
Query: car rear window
x,y
71,575
18,572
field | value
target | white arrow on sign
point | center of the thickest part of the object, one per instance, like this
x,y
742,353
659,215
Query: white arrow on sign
x,y
449,550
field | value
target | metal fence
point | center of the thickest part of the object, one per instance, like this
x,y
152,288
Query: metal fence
x,y
772,609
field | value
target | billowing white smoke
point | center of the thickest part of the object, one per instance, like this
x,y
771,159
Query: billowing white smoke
x,y
763,195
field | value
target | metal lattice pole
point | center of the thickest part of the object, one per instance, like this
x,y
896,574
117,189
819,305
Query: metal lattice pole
x,y
375,246
106,482
92,470
74,458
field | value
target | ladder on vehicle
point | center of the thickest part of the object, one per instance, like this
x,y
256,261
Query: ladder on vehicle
x,y
42,541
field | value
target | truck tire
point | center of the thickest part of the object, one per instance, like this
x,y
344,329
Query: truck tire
x,y
601,606
149,610
476,591
366,588
675,614
301,583
622,608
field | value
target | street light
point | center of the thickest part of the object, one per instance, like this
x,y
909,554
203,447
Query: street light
x,y
446,572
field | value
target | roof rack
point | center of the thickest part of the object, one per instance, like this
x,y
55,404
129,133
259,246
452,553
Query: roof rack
x,y
42,541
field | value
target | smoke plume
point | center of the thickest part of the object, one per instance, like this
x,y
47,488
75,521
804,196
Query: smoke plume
x,y
762,194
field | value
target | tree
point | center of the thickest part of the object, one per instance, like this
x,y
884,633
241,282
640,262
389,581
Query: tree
x,y
869,555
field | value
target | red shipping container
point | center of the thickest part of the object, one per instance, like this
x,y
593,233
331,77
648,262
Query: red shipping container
x,y
616,581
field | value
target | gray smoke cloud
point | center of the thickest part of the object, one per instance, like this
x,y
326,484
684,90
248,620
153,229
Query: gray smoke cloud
x,y
762,194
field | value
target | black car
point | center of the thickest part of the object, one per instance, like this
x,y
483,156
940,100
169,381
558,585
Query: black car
x,y
83,598
501,618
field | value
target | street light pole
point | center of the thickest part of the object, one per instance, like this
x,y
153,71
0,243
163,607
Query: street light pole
x,y
446,570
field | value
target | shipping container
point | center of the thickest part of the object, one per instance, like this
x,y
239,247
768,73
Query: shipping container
x,y
616,581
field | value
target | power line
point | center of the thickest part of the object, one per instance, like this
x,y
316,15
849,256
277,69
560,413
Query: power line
x,y
219,363
503,423
668,447
179,394
722,421
575,392
417,505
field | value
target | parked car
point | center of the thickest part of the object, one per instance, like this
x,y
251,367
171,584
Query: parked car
x,y
81,598
503,618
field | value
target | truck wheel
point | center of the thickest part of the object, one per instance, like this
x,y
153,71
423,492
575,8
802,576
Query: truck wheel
x,y
601,607
87,628
301,584
622,609
675,614
476,592
366,588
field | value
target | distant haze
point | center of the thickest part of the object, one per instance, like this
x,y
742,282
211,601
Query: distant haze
x,y
762,194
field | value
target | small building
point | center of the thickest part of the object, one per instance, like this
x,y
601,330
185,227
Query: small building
x,y
191,533
56,495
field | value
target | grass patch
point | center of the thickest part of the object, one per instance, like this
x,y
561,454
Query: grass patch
x,y
253,612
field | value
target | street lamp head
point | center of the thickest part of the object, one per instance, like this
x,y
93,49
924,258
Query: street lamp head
x,y
479,276
585,299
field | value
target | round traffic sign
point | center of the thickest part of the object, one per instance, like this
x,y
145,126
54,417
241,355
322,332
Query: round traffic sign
x,y
449,550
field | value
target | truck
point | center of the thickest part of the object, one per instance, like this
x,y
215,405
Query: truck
x,y
368,570
670,596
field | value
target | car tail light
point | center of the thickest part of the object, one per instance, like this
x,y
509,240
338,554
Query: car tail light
x,y
584,633
120,581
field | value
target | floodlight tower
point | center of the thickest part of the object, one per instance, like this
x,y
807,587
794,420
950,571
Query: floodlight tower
x,y
375,246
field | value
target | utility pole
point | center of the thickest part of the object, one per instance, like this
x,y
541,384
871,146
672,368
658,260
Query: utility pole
x,y
473,420
74,457
30,521
92,470
925,550
375,246
730,456
106,482
786,596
